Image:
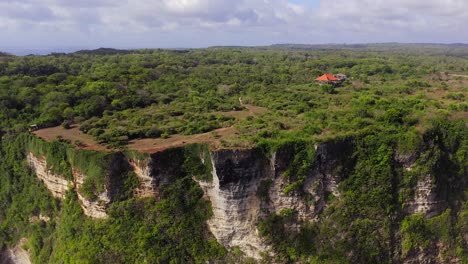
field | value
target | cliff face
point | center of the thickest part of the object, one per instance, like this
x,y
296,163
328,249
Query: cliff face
x,y
55,183
426,199
152,172
429,197
58,186
233,196
142,169
158,169
246,187
92,208
239,176
15,255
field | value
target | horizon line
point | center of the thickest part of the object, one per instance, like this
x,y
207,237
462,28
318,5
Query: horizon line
x,y
25,51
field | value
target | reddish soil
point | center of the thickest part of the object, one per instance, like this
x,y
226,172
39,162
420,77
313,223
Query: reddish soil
x,y
151,145
255,110
147,145
73,134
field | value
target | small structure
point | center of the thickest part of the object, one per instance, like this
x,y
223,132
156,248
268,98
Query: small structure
x,y
33,127
342,77
328,78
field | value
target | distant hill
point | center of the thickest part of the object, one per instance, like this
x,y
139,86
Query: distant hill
x,y
4,54
111,51
105,51
317,46
392,45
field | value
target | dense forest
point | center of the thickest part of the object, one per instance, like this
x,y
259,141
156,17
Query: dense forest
x,y
397,101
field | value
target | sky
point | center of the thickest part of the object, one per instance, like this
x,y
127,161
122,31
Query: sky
x,y
58,25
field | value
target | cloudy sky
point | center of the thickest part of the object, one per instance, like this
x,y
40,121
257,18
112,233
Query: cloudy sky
x,y
55,24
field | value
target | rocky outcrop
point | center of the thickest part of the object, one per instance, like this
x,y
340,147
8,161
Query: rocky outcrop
x,y
426,199
56,184
160,168
238,175
113,171
15,255
40,217
232,192
147,186
92,208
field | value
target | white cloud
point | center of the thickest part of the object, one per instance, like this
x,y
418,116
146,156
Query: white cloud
x,y
238,22
404,16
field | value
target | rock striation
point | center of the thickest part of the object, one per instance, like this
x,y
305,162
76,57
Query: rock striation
x,y
59,186
56,184
426,199
142,169
160,168
237,205
247,186
232,193
92,208
15,255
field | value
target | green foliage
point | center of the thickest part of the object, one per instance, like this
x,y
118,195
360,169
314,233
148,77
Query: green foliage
x,y
21,197
55,154
390,107
409,142
94,167
415,234
159,93
300,165
327,88
455,96
291,246
198,162
171,229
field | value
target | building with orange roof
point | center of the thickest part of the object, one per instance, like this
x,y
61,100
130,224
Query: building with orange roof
x,y
329,78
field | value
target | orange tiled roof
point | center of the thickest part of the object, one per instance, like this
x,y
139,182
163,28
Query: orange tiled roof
x,y
327,77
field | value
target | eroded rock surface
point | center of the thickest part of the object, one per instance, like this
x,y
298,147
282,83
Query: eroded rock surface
x,y
232,192
237,205
426,199
160,168
15,255
96,208
56,184
142,169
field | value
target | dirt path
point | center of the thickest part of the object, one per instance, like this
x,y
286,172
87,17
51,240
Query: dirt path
x,y
455,75
151,145
73,134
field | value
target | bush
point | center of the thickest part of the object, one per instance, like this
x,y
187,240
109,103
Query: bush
x,y
327,88
66,124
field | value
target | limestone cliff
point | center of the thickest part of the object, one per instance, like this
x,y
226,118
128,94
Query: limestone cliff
x,y
142,169
247,186
156,170
237,206
232,193
426,199
56,184
15,255
92,208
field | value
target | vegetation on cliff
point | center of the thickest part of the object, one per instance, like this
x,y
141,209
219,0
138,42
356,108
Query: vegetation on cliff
x,y
171,228
398,108
369,223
